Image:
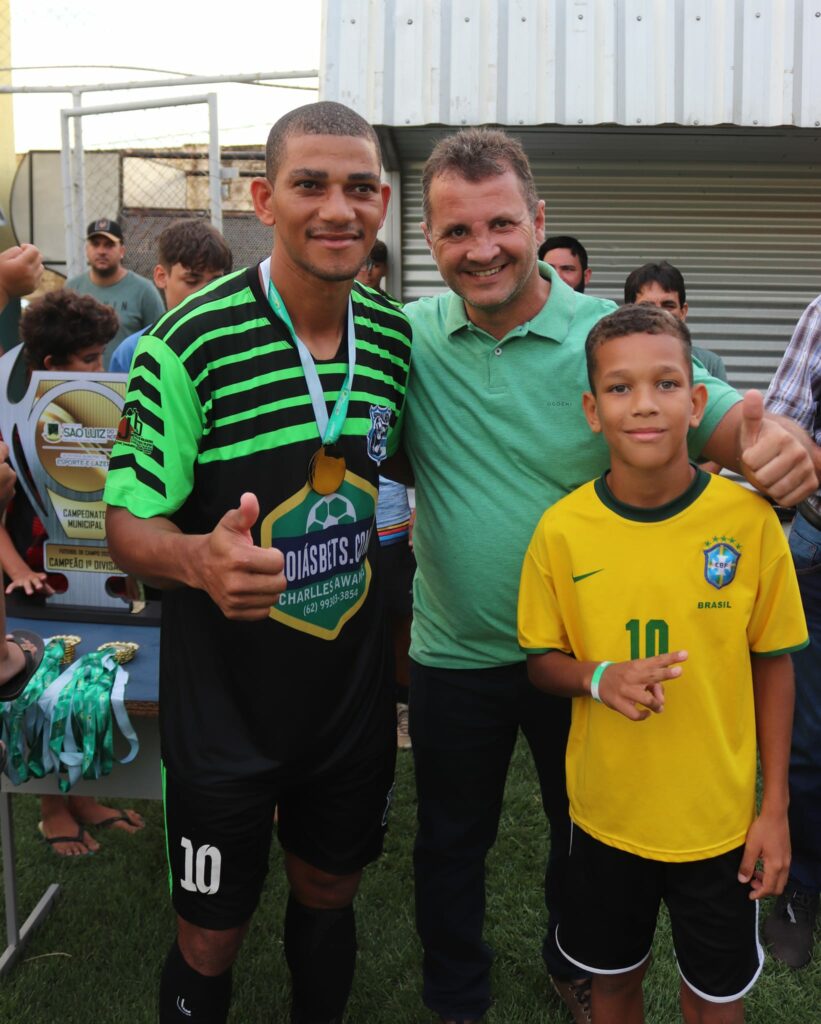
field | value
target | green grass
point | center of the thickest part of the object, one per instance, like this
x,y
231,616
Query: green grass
x,y
97,957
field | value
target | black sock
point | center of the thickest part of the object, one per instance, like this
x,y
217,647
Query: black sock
x,y
320,947
187,995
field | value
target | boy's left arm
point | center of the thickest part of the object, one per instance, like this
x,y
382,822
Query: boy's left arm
x,y
768,838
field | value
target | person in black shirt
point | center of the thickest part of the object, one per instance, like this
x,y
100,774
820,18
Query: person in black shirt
x,y
257,415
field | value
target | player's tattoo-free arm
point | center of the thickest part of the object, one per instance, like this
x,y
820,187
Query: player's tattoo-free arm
x,y
768,839
776,455
242,579
622,687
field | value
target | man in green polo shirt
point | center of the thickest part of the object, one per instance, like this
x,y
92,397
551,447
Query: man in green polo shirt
x,y
495,433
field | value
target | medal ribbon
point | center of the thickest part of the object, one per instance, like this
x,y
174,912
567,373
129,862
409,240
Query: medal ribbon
x,y
329,428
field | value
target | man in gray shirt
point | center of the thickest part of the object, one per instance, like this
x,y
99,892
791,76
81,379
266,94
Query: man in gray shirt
x,y
135,300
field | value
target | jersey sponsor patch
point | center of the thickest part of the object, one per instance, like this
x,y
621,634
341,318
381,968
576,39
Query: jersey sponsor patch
x,y
378,433
324,539
720,564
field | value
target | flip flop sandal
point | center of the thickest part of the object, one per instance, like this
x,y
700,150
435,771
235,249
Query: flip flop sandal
x,y
78,838
12,688
113,820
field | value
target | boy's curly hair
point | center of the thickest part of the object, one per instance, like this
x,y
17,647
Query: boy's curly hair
x,y
61,323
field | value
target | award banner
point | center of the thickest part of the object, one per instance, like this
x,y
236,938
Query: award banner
x,y
60,434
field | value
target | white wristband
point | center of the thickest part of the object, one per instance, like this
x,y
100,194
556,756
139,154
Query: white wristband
x,y
594,682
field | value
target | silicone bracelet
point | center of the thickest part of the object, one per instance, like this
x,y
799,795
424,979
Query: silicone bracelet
x,y
594,682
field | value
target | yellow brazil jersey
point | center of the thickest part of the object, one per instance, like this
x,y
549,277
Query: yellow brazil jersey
x,y
711,574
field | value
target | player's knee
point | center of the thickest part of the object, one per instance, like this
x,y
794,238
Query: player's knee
x,y
319,889
207,951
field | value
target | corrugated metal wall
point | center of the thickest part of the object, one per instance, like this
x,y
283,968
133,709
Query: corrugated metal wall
x,y
575,62
746,237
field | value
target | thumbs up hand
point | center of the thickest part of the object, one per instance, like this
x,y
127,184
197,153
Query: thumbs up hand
x,y
242,579
774,453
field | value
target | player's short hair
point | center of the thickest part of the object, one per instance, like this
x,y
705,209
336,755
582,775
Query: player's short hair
x,y
476,154
565,242
632,319
62,322
664,274
324,118
195,244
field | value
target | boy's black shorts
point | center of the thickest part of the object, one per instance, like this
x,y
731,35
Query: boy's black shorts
x,y
218,839
616,896
398,565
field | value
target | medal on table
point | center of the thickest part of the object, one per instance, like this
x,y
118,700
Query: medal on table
x,y
326,467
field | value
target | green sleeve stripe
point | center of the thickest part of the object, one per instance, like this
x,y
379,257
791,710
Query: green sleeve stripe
x,y
387,332
365,300
234,301
383,354
255,382
261,410
237,357
784,650
261,443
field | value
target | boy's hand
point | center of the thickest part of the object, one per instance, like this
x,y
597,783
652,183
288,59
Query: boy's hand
x,y
21,268
31,582
768,840
625,684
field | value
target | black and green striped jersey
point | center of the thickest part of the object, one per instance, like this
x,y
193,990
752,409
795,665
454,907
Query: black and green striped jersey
x,y
217,404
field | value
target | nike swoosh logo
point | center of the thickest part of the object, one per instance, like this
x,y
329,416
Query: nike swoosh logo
x,y
584,575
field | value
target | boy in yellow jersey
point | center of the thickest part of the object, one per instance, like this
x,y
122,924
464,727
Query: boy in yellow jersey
x,y
664,601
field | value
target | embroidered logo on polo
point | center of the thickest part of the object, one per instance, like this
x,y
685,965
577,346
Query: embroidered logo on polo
x,y
721,559
378,433
324,539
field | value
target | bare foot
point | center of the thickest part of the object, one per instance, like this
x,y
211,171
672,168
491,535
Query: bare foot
x,y
92,814
58,821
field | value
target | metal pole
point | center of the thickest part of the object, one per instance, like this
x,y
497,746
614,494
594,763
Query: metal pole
x,y
248,77
79,175
68,198
214,163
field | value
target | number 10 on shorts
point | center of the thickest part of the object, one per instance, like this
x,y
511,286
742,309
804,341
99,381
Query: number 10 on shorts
x,y
202,868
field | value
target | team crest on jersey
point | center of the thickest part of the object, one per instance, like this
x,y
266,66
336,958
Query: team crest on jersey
x,y
720,564
378,434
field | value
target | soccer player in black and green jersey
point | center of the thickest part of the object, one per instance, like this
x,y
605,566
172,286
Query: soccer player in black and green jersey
x,y
257,416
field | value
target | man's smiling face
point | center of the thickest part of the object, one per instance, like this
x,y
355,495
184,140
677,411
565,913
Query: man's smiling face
x,y
484,239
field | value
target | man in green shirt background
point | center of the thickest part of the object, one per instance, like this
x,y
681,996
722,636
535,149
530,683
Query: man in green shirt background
x,y
133,298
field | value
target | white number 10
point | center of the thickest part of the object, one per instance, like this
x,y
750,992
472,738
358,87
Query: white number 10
x,y
208,863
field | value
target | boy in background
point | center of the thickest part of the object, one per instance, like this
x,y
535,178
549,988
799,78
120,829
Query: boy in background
x,y
191,255
620,577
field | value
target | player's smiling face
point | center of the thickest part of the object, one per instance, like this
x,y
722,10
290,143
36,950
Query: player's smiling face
x,y
327,204
644,403
484,240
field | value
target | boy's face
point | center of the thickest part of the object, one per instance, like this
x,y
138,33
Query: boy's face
x,y
178,282
83,360
644,402
653,294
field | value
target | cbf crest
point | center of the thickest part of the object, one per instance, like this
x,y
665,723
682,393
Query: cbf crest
x,y
720,564
378,434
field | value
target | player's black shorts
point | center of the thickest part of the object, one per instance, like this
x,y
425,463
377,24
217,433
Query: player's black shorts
x,y
397,565
608,927
218,838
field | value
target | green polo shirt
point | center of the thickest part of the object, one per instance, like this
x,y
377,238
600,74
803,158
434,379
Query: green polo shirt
x,y
496,434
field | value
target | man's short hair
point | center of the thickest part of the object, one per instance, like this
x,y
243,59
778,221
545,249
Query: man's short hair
x,y
325,118
195,244
565,242
476,154
664,274
632,319
62,322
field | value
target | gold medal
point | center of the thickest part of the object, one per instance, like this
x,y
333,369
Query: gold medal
x,y
326,470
